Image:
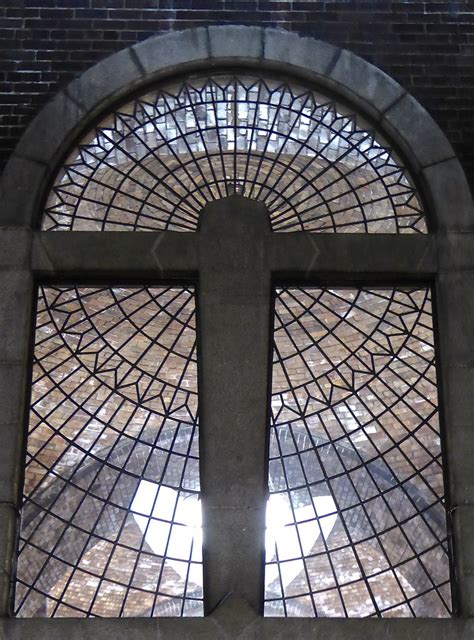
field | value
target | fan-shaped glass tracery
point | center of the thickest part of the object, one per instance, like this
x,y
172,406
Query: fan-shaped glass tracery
x,y
355,471
156,161
111,488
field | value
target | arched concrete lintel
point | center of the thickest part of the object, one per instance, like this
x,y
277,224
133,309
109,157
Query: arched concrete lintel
x,y
394,113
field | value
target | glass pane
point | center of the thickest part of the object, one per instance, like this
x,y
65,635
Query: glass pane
x,y
157,160
356,523
110,523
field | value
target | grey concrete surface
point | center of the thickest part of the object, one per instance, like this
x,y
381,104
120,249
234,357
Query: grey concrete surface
x,y
290,51
109,79
8,523
416,133
234,623
352,256
234,299
451,204
116,254
230,42
21,187
45,137
160,54
375,92
463,518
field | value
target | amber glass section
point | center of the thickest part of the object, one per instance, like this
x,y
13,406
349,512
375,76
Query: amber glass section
x,y
157,160
356,522
110,523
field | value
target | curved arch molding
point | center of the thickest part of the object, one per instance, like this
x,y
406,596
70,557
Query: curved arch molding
x,y
394,112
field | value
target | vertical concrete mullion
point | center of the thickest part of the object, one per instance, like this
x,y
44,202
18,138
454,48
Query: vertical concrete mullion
x,y
455,323
234,319
16,284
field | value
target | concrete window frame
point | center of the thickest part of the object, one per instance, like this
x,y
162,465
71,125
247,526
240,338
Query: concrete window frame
x,y
444,258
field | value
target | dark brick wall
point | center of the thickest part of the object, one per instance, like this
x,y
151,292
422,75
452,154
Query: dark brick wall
x,y
427,46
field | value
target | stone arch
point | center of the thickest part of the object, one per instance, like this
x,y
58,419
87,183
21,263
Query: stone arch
x,y
396,114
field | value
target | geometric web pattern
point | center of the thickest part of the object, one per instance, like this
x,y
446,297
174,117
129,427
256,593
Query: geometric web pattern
x,y
157,160
111,490
356,522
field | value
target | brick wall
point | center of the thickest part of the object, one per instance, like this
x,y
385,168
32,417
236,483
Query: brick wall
x,y
427,46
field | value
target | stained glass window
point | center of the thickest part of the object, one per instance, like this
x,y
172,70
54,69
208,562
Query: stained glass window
x,y
158,159
111,510
356,524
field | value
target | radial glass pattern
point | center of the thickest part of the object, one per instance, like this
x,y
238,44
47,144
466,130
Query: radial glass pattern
x,y
356,524
111,505
156,161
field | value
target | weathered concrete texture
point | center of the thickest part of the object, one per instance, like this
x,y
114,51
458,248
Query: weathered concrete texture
x,y
233,622
163,54
415,131
460,440
107,80
116,254
53,129
459,409
455,251
11,449
236,42
307,56
15,314
455,316
12,392
463,519
12,400
234,321
450,207
20,191
8,518
16,248
352,256
365,85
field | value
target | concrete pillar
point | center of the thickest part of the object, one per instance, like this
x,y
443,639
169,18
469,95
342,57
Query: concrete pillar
x,y
455,320
16,284
234,330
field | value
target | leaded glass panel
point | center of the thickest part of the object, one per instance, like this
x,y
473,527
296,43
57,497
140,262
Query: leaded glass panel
x,y
158,159
356,523
110,522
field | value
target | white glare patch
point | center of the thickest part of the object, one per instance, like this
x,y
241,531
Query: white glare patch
x,y
172,524
293,533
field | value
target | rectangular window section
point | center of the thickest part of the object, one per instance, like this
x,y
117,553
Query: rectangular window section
x,y
356,523
110,523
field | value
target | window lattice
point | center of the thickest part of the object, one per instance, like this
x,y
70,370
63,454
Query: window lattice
x,y
156,162
111,492
356,524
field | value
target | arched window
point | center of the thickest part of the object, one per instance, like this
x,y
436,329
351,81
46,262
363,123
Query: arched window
x,y
247,182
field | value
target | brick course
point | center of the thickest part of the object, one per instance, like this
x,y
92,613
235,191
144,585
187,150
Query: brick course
x,y
427,46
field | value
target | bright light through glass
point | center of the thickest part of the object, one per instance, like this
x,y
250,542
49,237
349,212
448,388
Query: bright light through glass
x,y
171,522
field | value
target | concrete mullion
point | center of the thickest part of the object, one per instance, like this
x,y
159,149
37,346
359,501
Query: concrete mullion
x,y
16,284
172,254
352,257
114,255
234,622
454,291
234,320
